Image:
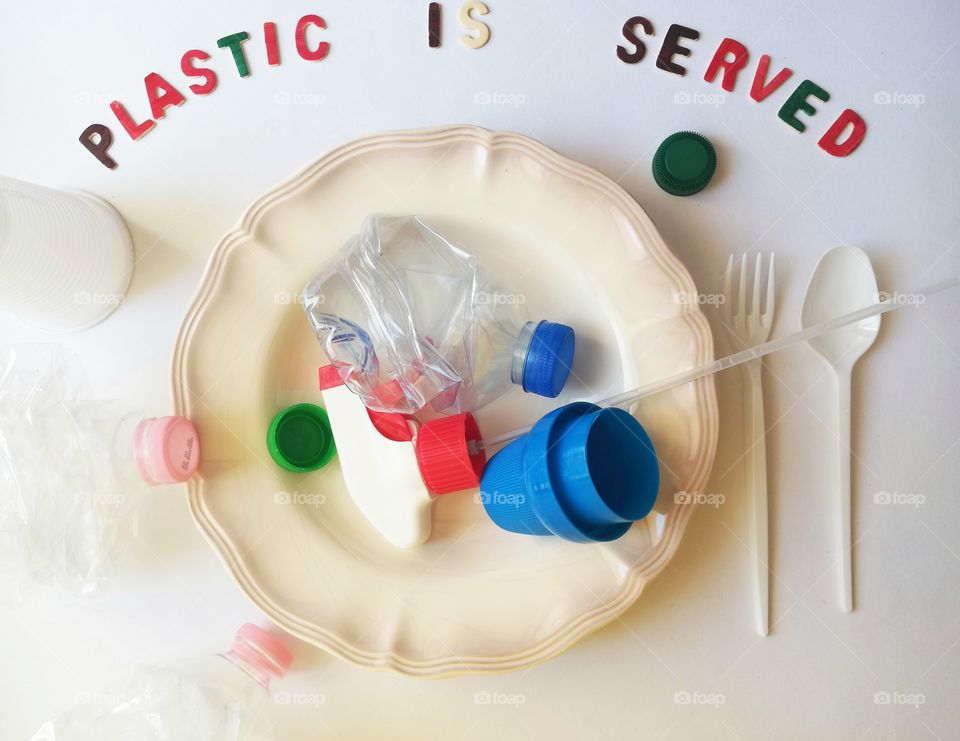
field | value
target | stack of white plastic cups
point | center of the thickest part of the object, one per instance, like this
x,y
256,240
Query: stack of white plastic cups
x,y
66,258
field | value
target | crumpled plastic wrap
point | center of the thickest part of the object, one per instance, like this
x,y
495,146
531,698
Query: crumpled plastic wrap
x,y
410,321
68,486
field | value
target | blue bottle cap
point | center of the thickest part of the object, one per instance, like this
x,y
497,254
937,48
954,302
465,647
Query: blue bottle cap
x,y
548,359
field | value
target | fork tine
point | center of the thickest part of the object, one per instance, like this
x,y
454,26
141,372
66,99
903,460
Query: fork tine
x,y
768,304
755,299
725,288
742,298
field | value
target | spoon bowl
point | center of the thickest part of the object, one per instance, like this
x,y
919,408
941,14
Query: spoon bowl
x,y
842,281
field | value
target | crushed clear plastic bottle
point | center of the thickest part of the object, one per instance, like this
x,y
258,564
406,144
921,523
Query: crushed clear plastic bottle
x,y
411,323
72,471
222,697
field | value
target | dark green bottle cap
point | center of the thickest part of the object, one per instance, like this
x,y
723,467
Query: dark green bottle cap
x,y
684,163
300,439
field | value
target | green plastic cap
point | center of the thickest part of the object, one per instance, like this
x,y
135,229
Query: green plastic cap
x,y
300,439
684,163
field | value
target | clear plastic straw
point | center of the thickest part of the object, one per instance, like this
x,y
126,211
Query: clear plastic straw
x,y
751,353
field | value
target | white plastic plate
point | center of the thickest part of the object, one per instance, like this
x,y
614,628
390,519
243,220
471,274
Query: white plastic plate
x,y
576,249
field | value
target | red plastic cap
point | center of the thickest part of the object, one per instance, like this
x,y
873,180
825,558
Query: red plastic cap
x,y
329,378
449,454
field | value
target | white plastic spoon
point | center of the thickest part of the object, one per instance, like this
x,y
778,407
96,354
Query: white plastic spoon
x,y
842,281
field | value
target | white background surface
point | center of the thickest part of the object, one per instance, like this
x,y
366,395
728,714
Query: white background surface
x,y
183,185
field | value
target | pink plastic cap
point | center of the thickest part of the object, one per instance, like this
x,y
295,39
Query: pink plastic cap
x,y
167,450
261,653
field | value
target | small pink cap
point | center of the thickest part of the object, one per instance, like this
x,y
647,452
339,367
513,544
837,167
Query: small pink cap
x,y
167,450
260,654
262,649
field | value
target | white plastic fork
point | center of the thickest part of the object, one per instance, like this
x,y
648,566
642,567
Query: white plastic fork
x,y
748,326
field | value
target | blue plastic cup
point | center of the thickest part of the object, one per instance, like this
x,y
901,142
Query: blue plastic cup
x,y
582,473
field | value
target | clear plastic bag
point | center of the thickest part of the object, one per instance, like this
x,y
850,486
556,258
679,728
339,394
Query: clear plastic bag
x,y
67,489
412,323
